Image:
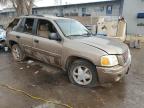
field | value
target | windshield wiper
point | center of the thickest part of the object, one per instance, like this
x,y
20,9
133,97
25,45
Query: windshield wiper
x,y
74,35
85,35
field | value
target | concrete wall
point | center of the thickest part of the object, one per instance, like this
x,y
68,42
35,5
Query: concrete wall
x,y
130,10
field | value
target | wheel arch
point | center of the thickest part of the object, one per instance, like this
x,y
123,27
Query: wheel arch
x,y
11,43
71,59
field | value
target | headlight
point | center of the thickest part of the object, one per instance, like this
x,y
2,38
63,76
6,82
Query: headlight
x,y
109,60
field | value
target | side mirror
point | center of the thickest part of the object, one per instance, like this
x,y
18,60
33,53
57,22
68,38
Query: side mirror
x,y
54,36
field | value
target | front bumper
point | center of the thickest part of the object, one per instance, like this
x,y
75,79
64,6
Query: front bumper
x,y
112,74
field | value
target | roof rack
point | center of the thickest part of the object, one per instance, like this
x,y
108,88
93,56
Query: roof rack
x,y
35,15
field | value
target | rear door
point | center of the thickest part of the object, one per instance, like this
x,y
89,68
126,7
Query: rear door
x,y
13,30
47,50
26,34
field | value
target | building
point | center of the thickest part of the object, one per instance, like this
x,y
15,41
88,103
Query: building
x,y
101,8
8,12
130,9
133,12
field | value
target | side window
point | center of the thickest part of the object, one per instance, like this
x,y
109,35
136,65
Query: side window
x,y
28,26
45,28
20,27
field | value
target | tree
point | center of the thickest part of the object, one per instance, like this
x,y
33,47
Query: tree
x,y
22,7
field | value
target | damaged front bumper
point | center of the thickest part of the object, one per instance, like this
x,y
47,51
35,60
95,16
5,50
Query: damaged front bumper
x,y
112,74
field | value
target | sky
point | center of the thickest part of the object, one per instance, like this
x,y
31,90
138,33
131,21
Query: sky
x,y
41,3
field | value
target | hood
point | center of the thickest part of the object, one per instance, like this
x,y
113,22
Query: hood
x,y
108,45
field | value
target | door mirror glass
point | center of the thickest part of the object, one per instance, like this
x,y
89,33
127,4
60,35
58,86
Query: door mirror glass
x,y
54,36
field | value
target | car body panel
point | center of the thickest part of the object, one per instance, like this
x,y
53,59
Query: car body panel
x,y
50,50
104,43
74,48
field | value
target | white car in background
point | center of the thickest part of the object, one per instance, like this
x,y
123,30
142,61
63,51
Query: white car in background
x,y
2,35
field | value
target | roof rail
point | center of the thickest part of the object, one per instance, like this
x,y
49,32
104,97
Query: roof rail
x,y
39,15
35,15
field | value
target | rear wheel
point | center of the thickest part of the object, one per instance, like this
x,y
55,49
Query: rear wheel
x,y
83,73
17,53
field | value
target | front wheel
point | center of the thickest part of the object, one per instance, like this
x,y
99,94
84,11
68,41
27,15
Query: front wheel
x,y
83,73
17,53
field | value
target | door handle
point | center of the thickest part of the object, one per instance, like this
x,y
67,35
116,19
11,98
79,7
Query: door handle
x,y
17,37
36,41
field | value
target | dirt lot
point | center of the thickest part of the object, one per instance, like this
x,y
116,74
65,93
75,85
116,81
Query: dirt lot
x,y
53,84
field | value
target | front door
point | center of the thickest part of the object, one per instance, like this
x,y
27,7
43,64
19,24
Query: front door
x,y
47,50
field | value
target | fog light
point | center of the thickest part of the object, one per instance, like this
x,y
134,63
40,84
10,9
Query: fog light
x,y
118,78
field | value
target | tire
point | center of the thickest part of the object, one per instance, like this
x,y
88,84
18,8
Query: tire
x,y
17,53
83,73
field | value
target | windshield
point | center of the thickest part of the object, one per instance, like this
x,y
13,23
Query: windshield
x,y
72,27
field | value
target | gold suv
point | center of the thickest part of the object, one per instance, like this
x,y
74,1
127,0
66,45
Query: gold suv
x,y
66,43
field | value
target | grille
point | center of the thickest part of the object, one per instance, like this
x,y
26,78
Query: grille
x,y
123,58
